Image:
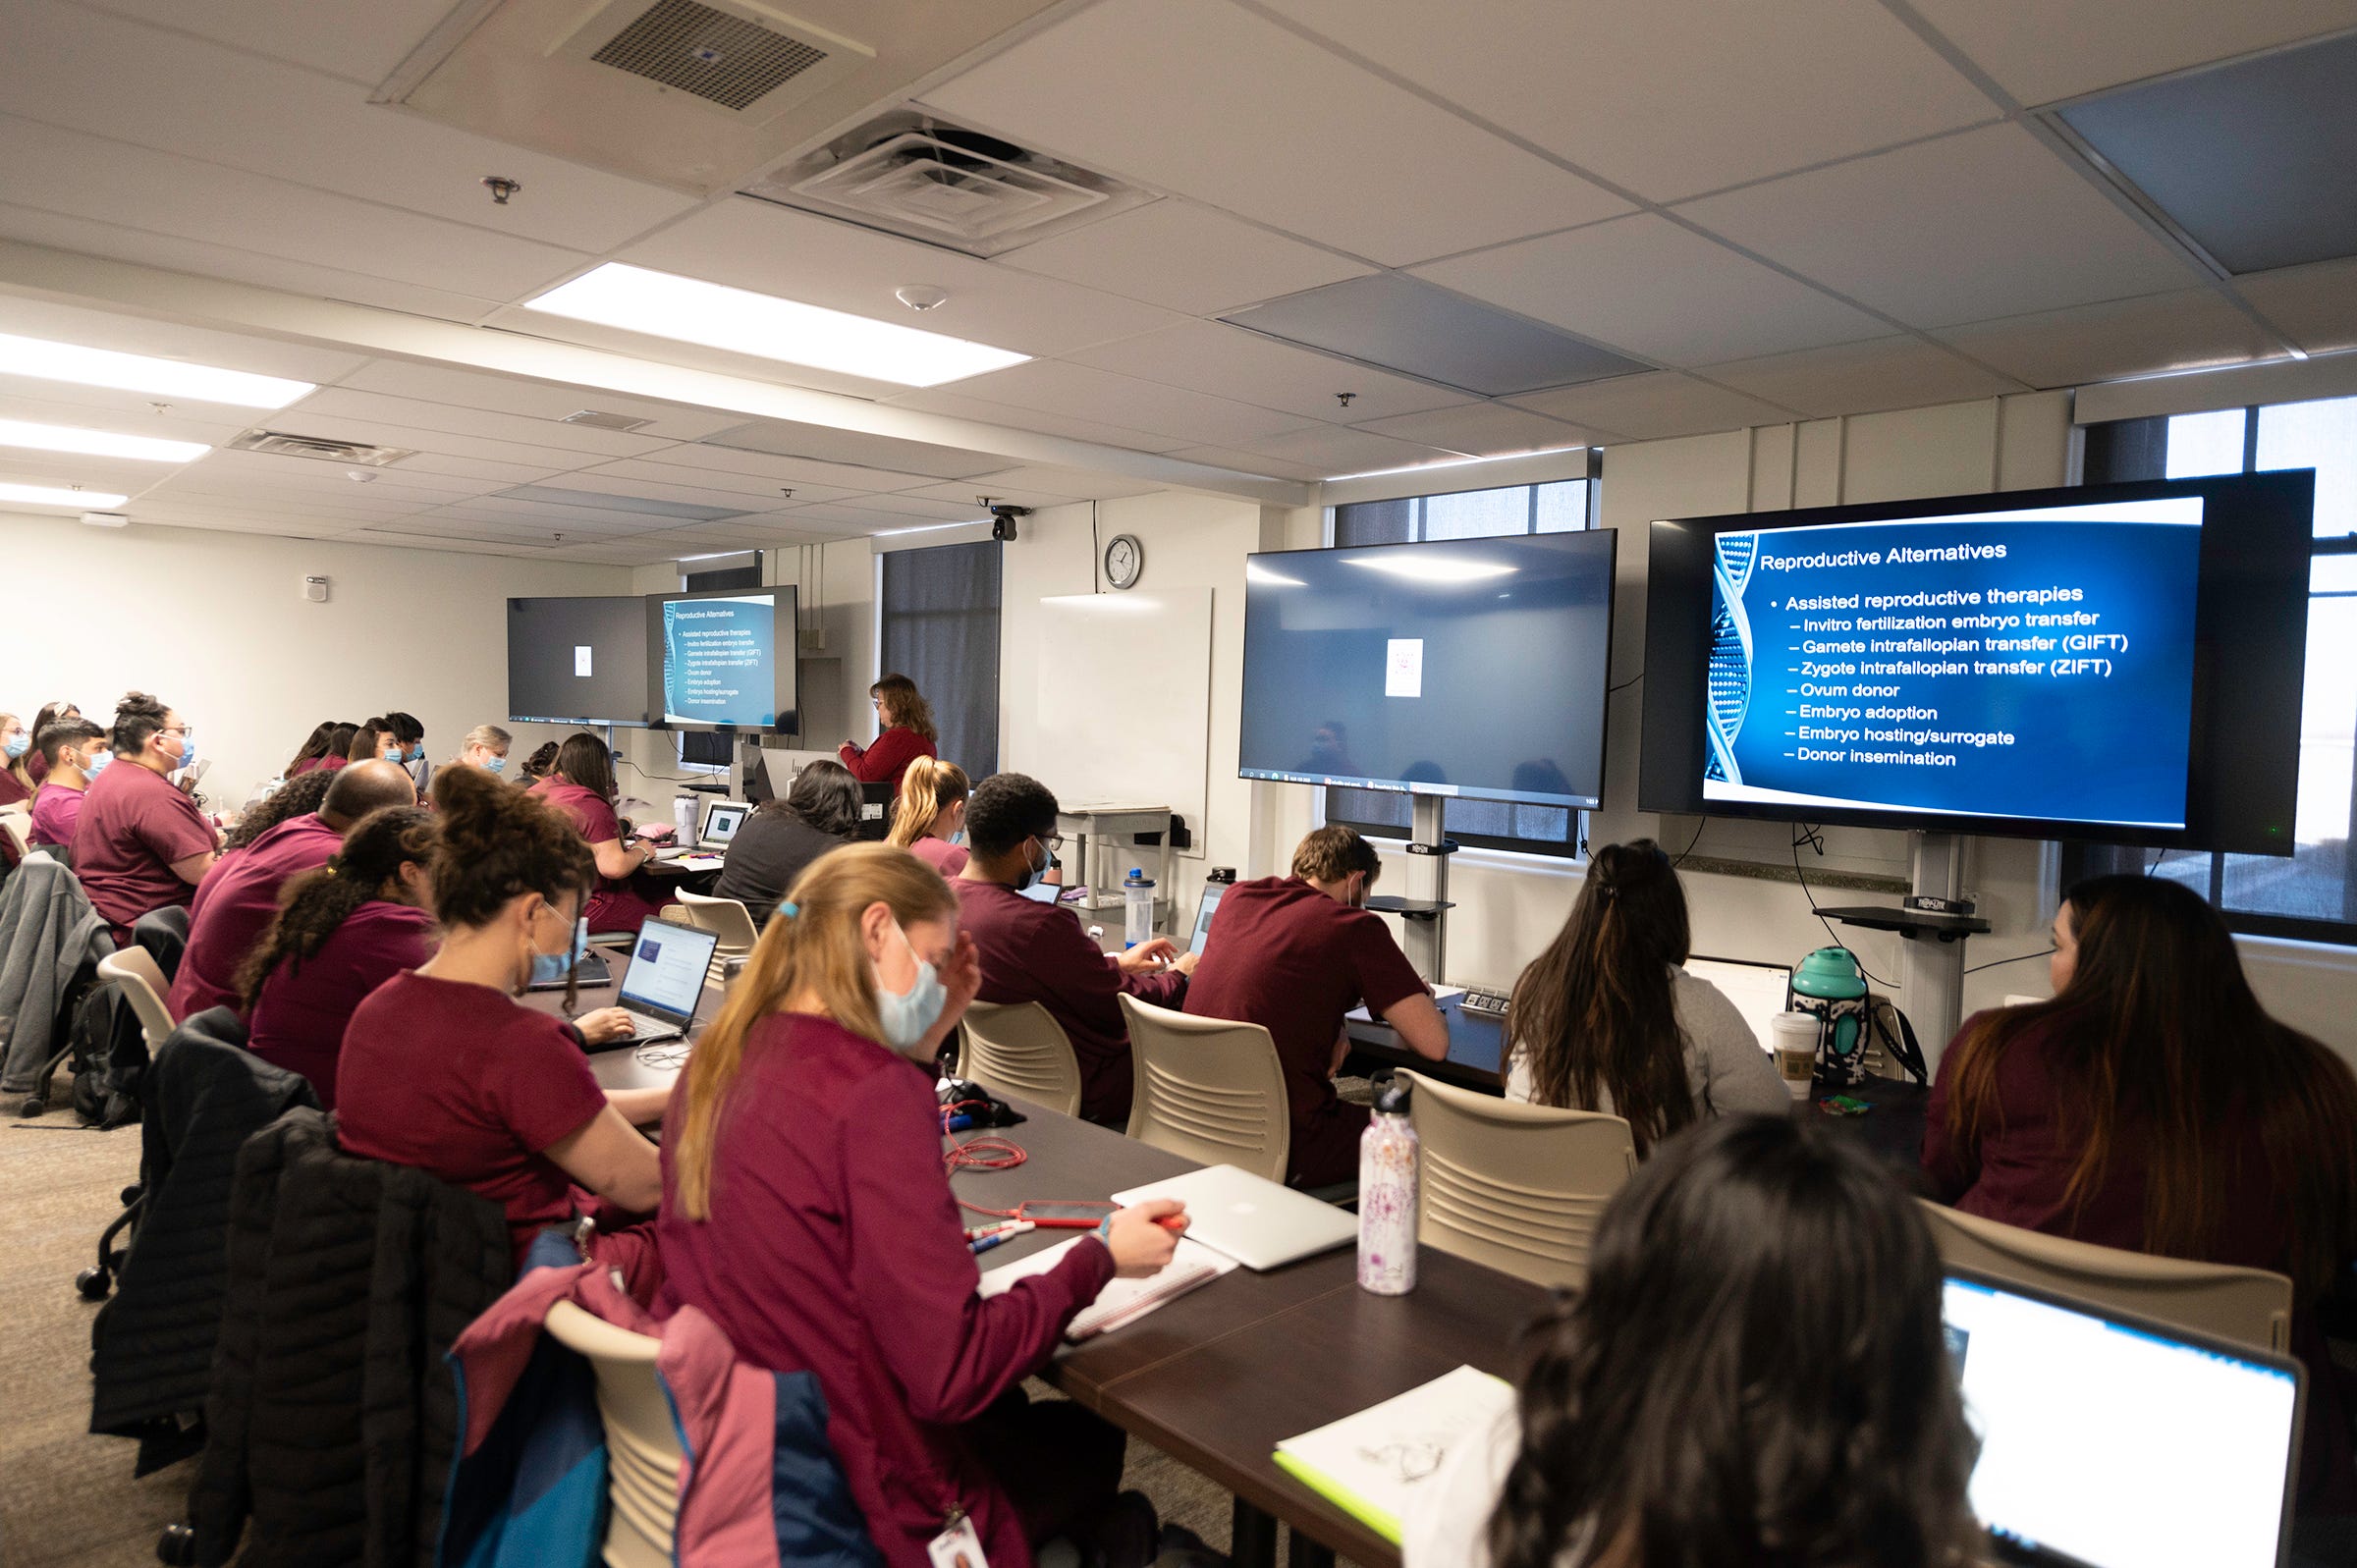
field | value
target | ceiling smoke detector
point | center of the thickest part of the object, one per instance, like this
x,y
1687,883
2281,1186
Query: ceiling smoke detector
x,y
916,176
280,444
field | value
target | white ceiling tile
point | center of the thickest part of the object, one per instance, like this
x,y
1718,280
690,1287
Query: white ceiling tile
x,y
604,481
2041,50
1226,361
862,519
362,42
786,469
1185,257
535,399
746,489
340,403
1968,228
997,489
1635,285
985,410
1650,406
1674,97
2316,304
1078,392
1483,430
497,474
2189,330
742,533
460,544
776,250
137,83
1257,462
1862,377
114,182
932,509
1332,451
1078,483
1202,98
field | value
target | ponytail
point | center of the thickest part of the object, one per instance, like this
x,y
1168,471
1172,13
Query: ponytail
x,y
316,904
499,843
928,788
813,944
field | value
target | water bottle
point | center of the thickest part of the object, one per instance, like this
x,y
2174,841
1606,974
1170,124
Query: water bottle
x,y
682,815
1137,892
1387,1196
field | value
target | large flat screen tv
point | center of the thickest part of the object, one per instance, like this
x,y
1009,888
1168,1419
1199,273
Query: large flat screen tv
x,y
1461,667
2114,663
723,659
577,661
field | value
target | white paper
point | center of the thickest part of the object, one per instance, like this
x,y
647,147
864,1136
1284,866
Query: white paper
x,y
1403,666
1121,1301
1383,1453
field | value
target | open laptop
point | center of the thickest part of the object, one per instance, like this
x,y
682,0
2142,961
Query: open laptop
x,y
2112,1441
665,981
590,973
722,819
1759,990
1213,892
1250,1219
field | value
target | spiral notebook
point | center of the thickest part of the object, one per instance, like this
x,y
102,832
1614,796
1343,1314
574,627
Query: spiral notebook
x,y
1121,1301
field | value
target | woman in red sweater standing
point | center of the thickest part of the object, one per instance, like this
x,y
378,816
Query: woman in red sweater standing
x,y
806,1210
2152,1106
908,733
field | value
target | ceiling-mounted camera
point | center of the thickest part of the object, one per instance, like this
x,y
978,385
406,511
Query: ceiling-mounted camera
x,y
1002,520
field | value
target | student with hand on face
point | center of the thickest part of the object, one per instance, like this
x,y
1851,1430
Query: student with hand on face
x,y
75,752
1033,951
1295,955
485,747
904,722
342,930
929,818
807,1212
51,711
781,838
444,1070
141,844
241,894
580,784
16,744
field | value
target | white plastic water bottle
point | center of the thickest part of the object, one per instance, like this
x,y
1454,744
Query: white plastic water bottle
x,y
1137,892
682,816
1387,1196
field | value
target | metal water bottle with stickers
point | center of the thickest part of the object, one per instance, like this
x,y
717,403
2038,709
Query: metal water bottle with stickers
x,y
1387,1196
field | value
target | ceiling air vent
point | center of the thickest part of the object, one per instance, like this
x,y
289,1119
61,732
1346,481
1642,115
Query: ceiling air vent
x,y
598,420
914,176
279,444
742,60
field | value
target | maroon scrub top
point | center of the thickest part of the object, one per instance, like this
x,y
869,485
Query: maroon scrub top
x,y
298,1019
55,810
237,901
888,758
134,825
942,855
613,905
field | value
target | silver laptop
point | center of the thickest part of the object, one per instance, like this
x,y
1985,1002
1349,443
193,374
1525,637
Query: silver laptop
x,y
665,981
1250,1219
722,819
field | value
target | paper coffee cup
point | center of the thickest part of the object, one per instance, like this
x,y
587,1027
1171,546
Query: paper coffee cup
x,y
1792,1040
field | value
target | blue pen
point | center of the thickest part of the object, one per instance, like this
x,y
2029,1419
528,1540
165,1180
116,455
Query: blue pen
x,y
983,1244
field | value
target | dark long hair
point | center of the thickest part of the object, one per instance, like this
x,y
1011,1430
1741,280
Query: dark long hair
x,y
316,904
317,747
498,844
298,796
339,740
1595,1012
366,736
536,766
585,760
825,797
1755,1375
2158,1046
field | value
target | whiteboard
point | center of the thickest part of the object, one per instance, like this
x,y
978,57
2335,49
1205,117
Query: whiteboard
x,y
1125,701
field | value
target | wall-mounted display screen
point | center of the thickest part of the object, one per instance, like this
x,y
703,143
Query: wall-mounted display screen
x,y
577,661
723,659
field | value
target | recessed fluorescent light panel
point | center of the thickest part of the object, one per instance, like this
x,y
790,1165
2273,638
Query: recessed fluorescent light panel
x,y
717,316
98,443
140,372
928,527
54,496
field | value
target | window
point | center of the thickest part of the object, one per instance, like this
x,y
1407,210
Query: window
x,y
1564,505
939,626
2311,896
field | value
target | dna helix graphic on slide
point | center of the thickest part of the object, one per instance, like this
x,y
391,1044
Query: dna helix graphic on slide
x,y
1731,652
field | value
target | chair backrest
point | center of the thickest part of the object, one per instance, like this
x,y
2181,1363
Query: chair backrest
x,y
2248,1306
642,1446
1019,1049
726,918
1517,1186
1208,1089
135,970
19,826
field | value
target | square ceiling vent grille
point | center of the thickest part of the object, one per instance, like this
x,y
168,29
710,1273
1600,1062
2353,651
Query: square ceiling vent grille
x,y
741,58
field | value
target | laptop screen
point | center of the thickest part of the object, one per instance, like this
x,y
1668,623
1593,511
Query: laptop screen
x,y
1212,893
1758,989
2118,1446
723,820
666,968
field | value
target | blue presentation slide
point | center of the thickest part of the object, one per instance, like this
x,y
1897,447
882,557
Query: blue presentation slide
x,y
2032,664
720,661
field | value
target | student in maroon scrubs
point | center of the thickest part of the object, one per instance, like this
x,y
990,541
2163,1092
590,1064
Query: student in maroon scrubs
x,y
929,816
141,844
373,740
2152,1105
581,786
1033,951
51,713
241,894
314,751
907,733
1297,953
807,1211
442,1069
17,782
74,751
343,930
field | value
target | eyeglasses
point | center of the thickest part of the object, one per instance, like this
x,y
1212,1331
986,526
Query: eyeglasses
x,y
1049,842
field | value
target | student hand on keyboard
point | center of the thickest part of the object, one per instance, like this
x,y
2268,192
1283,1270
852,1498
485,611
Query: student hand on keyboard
x,y
605,1025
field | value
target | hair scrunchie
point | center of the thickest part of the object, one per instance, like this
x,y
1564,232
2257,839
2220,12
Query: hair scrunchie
x,y
787,911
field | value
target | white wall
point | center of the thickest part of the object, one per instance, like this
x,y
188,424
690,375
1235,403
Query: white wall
x,y
215,623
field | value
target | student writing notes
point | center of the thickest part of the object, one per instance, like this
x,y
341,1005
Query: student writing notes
x,y
1755,1373
780,839
141,844
1034,951
1606,1020
906,722
581,786
74,751
443,1071
806,1210
928,819
1295,954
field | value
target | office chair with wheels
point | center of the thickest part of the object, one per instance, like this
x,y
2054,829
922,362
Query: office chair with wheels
x,y
1019,1049
1208,1089
144,983
642,1445
2249,1306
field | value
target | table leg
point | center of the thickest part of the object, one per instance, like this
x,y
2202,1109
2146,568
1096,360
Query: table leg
x,y
1307,1553
1252,1538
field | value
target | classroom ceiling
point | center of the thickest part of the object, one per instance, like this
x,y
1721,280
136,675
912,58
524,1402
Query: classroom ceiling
x,y
1710,215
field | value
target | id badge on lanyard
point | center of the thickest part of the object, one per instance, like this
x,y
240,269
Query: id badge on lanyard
x,y
957,1545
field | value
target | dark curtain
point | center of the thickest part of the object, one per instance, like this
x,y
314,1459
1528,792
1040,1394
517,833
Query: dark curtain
x,y
941,630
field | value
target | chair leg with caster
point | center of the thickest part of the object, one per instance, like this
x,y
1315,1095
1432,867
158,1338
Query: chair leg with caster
x,y
177,1545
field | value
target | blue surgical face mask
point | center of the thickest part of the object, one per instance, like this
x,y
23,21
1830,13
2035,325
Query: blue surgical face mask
x,y
418,751
187,752
551,967
907,1017
1032,873
497,765
97,764
958,836
18,744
